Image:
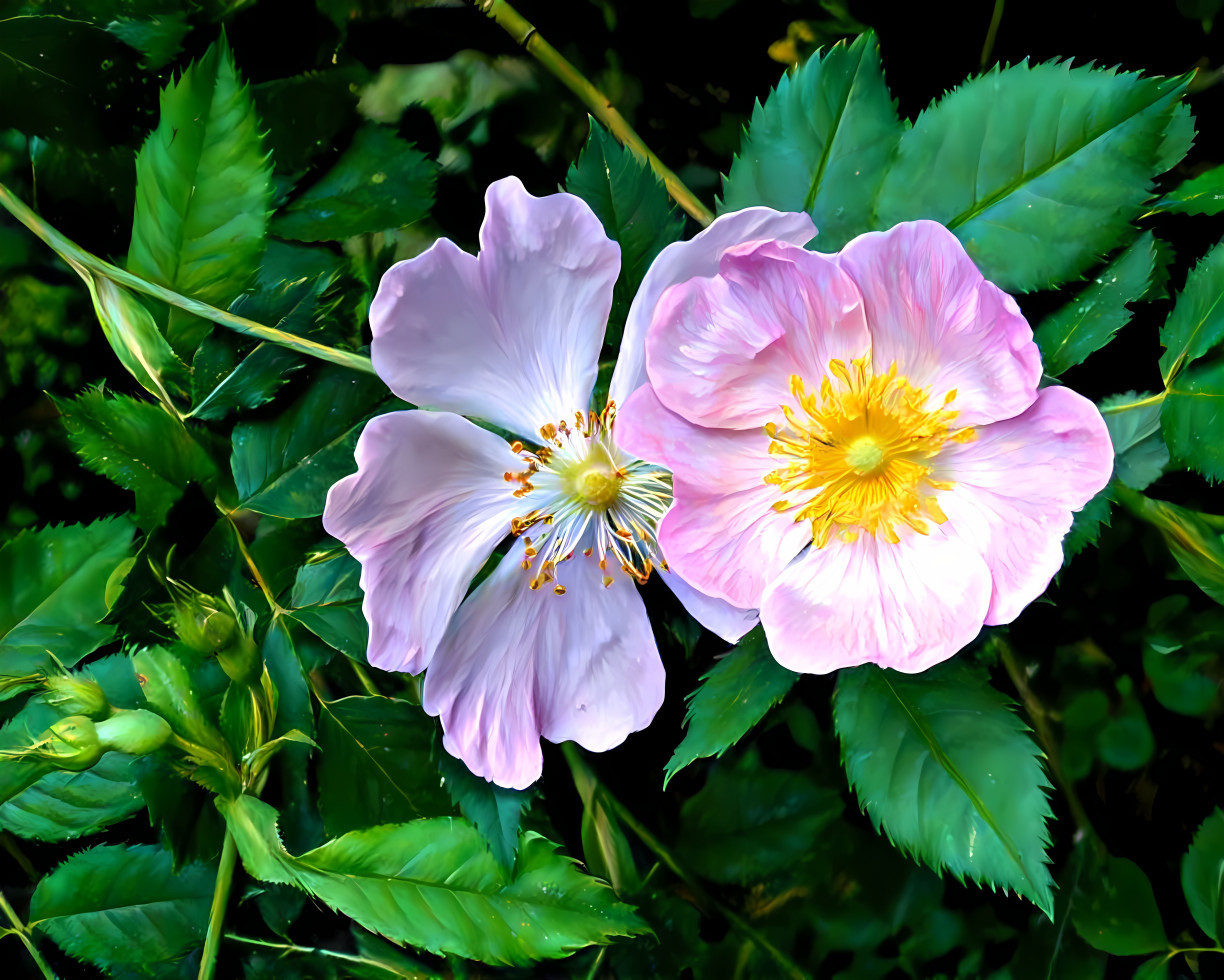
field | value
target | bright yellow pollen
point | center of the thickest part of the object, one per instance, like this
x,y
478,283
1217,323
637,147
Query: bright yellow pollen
x,y
857,457
598,487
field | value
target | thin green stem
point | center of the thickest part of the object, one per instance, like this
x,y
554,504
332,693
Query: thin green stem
x,y
287,948
76,256
661,851
22,932
593,972
364,679
216,916
992,32
598,104
1128,406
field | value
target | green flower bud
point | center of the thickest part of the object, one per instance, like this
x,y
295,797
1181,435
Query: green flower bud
x,y
72,743
76,696
135,732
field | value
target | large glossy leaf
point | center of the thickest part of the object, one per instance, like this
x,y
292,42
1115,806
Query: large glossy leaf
x,y
748,821
494,810
1140,453
633,206
821,143
326,599
140,446
64,805
1090,321
1203,876
734,695
380,182
203,191
1203,194
1037,169
1117,912
433,883
942,765
53,593
377,764
1196,324
285,466
123,905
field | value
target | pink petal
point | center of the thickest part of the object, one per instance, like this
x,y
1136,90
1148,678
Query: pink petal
x,y
721,351
425,508
682,261
930,311
906,606
717,615
512,335
517,665
1016,487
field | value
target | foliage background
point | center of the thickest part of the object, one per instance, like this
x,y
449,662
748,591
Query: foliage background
x,y
686,74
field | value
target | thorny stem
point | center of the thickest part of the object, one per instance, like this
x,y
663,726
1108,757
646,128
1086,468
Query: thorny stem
x,y
527,37
287,948
22,932
73,254
1041,725
216,917
992,32
661,851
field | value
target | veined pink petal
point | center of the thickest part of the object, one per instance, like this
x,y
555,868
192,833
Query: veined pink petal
x,y
682,261
906,606
425,508
517,665
512,335
717,615
931,312
721,351
1016,487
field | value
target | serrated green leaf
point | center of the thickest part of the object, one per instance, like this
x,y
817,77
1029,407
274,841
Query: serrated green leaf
x,y
633,206
1091,320
158,37
170,691
227,381
285,466
52,593
1203,876
1192,418
123,905
1117,911
821,143
327,598
1140,453
64,805
305,113
377,765
140,446
1203,194
203,191
1196,324
942,764
748,822
380,182
734,695
1194,543
494,810
433,883
1086,524
1037,169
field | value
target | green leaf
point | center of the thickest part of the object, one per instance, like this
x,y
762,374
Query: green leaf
x,y
734,695
1203,876
203,191
605,848
1157,968
1203,194
158,37
64,805
170,691
1091,320
494,810
1140,453
942,764
1117,912
123,905
304,114
226,381
380,182
1180,682
821,143
1194,543
1196,324
433,883
1191,418
285,466
140,446
53,593
377,764
294,710
1037,169
632,204
327,598
748,821
1086,524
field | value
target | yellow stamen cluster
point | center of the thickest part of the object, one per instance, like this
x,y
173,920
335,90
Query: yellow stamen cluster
x,y
858,455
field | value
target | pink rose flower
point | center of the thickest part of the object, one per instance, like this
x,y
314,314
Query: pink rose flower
x,y
555,642
859,447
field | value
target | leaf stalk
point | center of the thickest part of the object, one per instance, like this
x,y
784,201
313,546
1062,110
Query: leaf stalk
x,y
216,916
22,932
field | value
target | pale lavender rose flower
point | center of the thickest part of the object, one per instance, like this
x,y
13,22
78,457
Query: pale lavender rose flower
x,y
555,642
859,447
